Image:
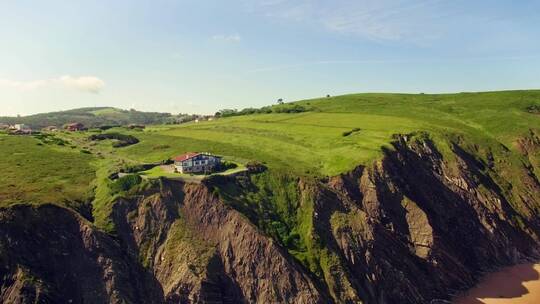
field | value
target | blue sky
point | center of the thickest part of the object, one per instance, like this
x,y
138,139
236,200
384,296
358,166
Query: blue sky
x,y
201,56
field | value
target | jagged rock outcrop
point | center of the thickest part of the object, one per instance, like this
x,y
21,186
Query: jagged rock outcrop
x,y
415,230
231,261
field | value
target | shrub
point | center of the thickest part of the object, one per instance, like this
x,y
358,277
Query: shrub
x,y
103,128
226,165
161,147
122,139
255,167
347,133
290,109
137,168
534,109
125,183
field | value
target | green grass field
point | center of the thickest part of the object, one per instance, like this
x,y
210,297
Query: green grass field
x,y
32,172
314,142
336,135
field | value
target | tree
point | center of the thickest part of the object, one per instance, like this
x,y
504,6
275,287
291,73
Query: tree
x,y
228,112
280,101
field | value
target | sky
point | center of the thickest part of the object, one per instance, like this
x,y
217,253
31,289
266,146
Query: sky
x,y
200,56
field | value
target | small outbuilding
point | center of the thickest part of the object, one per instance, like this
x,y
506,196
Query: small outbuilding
x,y
50,129
75,126
196,162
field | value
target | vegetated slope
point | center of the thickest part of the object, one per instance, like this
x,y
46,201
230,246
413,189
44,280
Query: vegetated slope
x,y
371,198
34,171
316,142
90,117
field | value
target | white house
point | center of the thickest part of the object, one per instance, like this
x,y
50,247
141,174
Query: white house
x,y
21,127
195,162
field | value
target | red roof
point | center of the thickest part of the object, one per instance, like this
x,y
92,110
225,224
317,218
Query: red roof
x,y
186,156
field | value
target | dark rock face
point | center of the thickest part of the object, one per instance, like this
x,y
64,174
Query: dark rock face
x,y
428,231
242,265
52,255
411,228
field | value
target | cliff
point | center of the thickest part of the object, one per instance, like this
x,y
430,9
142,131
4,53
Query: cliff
x,y
418,225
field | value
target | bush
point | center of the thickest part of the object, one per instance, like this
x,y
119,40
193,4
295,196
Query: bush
x,y
125,183
122,139
534,109
104,128
290,109
281,108
161,147
347,133
137,168
226,165
255,167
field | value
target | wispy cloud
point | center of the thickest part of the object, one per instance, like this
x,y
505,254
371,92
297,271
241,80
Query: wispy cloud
x,y
389,20
90,84
227,38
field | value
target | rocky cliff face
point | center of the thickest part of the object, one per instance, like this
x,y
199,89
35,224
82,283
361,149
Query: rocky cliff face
x,y
415,230
414,227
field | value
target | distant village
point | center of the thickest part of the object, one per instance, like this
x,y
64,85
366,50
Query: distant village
x,y
23,129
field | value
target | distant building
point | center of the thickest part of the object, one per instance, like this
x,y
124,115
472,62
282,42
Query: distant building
x,y
22,127
76,126
4,126
195,162
50,129
136,126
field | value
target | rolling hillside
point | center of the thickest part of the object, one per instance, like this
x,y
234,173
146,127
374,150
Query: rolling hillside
x,y
367,198
91,117
340,133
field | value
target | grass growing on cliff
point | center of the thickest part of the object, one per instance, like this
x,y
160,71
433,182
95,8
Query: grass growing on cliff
x,y
33,172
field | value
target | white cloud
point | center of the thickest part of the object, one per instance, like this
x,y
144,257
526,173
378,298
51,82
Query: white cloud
x,y
227,38
90,84
84,83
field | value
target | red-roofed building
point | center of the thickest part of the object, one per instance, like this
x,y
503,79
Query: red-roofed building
x,y
76,126
195,162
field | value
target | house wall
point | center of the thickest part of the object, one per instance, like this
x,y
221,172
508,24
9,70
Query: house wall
x,y
197,164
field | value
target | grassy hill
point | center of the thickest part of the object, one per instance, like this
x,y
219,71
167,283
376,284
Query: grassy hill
x,y
90,117
339,133
334,136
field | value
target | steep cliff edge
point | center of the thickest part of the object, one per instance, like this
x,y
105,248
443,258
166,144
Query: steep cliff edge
x,y
49,254
420,224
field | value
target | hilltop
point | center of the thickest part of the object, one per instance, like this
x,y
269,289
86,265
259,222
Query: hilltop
x,y
93,117
334,135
